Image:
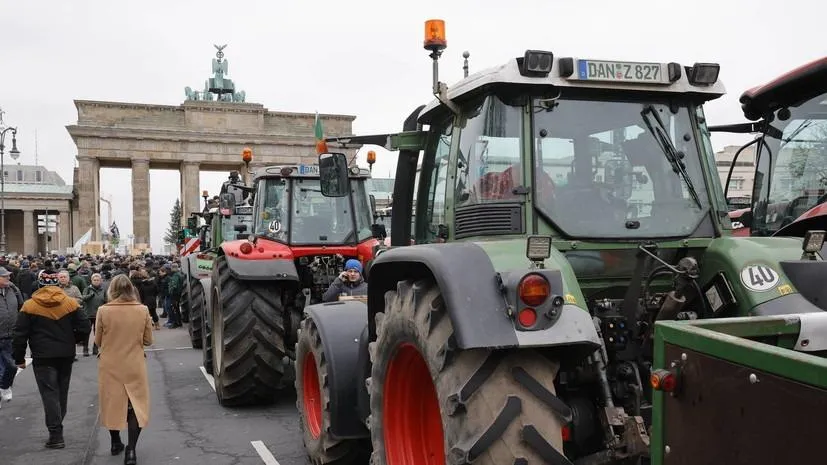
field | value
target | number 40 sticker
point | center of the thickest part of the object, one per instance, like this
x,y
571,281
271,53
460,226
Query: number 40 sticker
x,y
759,278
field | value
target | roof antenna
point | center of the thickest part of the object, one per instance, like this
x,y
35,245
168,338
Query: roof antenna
x,y
465,55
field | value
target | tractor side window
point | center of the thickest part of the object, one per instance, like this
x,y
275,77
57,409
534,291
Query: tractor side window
x,y
434,215
488,167
271,209
362,210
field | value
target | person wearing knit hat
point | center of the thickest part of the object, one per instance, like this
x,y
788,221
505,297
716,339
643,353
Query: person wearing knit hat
x,y
50,325
348,283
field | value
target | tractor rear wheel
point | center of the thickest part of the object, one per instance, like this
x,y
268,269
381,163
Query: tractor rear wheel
x,y
184,306
206,342
247,338
196,304
313,403
432,403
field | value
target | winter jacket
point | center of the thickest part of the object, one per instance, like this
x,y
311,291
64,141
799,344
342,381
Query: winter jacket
x,y
78,281
148,288
72,291
51,324
176,284
93,297
339,287
27,282
11,299
163,286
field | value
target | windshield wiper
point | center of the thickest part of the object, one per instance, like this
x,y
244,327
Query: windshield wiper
x,y
668,149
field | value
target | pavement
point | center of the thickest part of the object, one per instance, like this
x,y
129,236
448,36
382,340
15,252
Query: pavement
x,y
187,425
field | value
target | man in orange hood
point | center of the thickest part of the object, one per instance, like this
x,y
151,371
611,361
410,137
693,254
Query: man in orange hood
x,y
51,324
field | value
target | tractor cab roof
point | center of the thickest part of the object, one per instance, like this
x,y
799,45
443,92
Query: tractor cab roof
x,y
304,171
568,72
790,89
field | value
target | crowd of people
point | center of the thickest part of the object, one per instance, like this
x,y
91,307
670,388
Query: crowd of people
x,y
51,305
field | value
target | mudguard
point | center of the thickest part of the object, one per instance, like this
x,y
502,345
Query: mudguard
x,y
477,308
342,327
262,270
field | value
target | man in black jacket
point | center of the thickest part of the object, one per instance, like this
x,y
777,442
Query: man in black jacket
x,y
10,302
51,324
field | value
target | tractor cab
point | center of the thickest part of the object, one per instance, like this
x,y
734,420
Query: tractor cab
x,y
789,114
290,207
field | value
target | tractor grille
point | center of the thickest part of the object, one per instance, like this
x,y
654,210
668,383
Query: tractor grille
x,y
489,219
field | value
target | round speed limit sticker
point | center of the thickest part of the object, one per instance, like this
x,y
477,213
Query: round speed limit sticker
x,y
759,278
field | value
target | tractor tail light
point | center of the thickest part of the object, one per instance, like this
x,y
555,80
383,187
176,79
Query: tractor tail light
x,y
664,380
534,289
527,317
246,248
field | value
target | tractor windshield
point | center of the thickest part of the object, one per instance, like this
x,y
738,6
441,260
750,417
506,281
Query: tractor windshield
x,y
796,155
296,212
618,169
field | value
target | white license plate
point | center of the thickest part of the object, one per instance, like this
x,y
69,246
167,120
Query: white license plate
x,y
619,71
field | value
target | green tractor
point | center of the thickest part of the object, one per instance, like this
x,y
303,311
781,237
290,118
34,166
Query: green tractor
x,y
229,218
520,327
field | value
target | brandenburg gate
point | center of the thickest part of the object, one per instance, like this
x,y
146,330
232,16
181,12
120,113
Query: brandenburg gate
x,y
207,132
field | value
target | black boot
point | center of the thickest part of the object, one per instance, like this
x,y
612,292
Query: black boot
x,y
117,448
55,441
130,458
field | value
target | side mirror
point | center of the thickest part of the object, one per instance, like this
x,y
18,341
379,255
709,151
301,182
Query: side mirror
x,y
226,203
372,205
192,223
379,231
334,175
240,227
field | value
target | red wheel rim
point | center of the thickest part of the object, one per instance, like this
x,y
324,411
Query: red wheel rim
x,y
410,412
312,396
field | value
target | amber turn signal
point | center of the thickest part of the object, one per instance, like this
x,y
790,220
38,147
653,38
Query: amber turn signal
x,y
663,380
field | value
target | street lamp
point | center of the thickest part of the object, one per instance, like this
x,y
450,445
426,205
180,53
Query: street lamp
x,y
14,155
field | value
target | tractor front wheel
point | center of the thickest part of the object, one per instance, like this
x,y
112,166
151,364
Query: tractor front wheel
x,y
313,403
247,338
432,403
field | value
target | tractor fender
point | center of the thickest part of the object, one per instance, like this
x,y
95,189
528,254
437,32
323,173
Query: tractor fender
x,y
270,261
471,289
343,328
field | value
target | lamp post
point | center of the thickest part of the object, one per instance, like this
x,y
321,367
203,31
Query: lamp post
x,y
14,155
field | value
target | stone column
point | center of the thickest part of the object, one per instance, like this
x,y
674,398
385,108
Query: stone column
x,y
64,231
140,201
89,196
29,233
190,193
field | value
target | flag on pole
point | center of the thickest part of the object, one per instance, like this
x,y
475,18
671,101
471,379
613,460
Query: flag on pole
x,y
83,240
321,145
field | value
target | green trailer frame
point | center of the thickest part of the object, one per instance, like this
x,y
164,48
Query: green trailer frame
x,y
746,395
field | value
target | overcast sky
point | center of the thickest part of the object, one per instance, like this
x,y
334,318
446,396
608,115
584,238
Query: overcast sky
x,y
363,58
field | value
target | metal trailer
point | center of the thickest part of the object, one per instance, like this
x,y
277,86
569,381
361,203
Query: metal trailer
x,y
740,391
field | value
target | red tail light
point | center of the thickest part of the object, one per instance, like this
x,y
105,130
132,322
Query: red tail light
x,y
246,248
534,289
527,317
663,380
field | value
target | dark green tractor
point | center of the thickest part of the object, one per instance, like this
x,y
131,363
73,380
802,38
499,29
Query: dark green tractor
x,y
582,205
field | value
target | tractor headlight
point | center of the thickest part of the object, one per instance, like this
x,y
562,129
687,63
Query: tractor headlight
x,y
813,241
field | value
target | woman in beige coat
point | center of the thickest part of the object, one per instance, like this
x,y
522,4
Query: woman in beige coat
x,y
122,328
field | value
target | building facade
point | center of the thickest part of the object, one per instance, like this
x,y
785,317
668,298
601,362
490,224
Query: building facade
x,y
38,208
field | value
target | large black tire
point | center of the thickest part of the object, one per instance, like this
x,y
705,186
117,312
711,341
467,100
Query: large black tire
x,y
247,338
196,303
456,406
184,306
313,404
206,343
